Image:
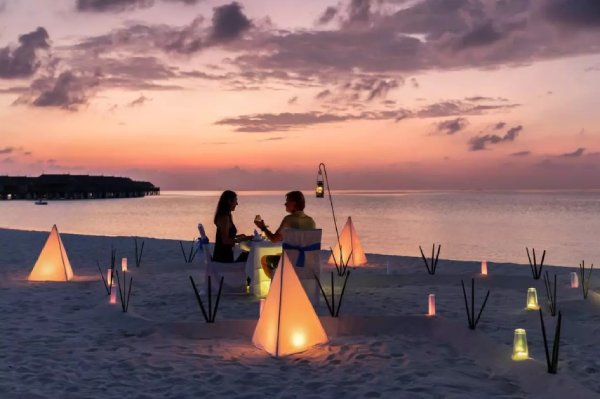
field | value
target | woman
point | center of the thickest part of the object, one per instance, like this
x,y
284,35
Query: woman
x,y
227,235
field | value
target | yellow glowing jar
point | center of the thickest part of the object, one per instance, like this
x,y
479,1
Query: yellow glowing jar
x,y
124,264
484,270
532,301
520,350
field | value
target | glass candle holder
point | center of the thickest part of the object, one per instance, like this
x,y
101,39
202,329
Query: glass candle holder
x,y
520,350
532,301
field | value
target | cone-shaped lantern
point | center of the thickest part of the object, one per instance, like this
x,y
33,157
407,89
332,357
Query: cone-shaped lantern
x,y
352,250
520,350
53,262
532,302
288,322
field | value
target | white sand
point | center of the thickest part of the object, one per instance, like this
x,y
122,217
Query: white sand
x,y
63,340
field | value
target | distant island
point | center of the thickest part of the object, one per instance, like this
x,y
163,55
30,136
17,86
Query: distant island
x,y
69,187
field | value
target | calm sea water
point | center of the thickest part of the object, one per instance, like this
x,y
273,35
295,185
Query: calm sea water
x,y
470,225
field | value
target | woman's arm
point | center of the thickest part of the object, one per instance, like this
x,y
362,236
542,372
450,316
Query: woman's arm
x,y
223,225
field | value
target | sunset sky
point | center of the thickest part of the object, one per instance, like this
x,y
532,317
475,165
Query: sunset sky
x,y
390,94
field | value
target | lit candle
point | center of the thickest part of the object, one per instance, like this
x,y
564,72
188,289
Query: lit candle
x,y
124,264
431,305
484,267
574,280
109,277
520,351
262,305
532,302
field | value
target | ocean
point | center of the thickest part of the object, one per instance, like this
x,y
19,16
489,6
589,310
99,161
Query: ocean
x,y
470,225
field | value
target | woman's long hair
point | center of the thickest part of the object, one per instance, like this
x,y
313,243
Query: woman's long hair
x,y
224,204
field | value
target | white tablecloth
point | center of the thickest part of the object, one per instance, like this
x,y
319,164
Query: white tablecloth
x,y
259,281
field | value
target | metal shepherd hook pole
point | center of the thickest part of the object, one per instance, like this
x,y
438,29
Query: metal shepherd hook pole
x,y
319,192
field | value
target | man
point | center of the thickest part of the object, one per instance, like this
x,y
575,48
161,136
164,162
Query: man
x,y
297,219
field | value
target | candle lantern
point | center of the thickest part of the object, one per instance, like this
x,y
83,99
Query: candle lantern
x,y
520,351
532,301
574,280
484,269
320,189
431,305
124,264
109,277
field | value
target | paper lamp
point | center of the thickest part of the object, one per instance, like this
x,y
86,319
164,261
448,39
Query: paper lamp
x,y
574,280
124,264
262,305
532,302
484,270
431,305
288,323
520,351
352,250
53,263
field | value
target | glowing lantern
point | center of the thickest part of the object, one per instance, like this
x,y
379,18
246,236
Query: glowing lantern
x,y
320,189
113,295
288,323
53,263
484,270
124,264
520,351
109,277
431,305
350,245
532,302
574,280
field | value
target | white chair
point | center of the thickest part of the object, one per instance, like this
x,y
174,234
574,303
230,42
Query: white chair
x,y
304,249
234,274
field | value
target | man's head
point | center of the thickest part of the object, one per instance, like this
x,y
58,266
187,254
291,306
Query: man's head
x,y
294,201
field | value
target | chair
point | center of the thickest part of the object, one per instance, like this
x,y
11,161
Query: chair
x,y
234,274
304,250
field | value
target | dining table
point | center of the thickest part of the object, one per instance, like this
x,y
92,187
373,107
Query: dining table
x,y
258,248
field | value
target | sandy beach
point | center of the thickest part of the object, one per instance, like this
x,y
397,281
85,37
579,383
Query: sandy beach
x,y
64,340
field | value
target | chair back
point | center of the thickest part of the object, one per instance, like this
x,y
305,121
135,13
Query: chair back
x,y
234,274
304,251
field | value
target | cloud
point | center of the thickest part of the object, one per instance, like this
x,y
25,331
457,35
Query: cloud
x,y
111,5
8,160
279,122
577,13
520,154
323,94
359,11
67,91
265,122
23,62
452,126
575,154
121,5
7,150
139,101
479,143
457,107
499,125
327,16
229,22
293,100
